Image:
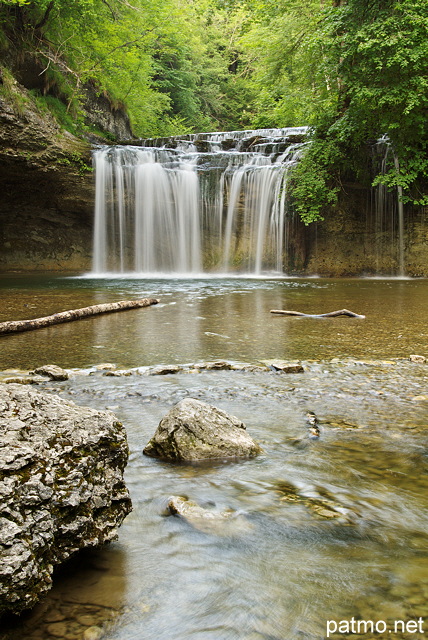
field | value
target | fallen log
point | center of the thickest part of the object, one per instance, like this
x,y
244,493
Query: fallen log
x,y
332,314
17,326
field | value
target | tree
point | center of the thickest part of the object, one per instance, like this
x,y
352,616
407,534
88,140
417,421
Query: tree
x,y
378,51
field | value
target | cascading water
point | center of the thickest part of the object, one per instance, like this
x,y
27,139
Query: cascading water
x,y
213,201
388,211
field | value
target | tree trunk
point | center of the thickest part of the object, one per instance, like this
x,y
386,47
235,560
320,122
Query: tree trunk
x,y
16,326
332,314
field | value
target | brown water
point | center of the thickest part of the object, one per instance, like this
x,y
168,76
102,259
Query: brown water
x,y
206,319
327,529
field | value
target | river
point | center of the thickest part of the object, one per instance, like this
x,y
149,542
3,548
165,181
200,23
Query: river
x,y
331,529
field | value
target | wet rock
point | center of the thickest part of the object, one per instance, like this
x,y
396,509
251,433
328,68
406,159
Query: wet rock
x,y
117,374
313,425
416,358
226,522
105,366
194,430
61,487
22,380
165,370
420,398
217,365
52,371
92,633
283,366
57,629
252,368
318,500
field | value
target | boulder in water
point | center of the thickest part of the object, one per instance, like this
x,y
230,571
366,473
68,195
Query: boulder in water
x,y
195,430
61,489
52,371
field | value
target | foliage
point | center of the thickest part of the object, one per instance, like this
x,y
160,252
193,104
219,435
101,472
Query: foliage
x,y
379,53
354,70
167,61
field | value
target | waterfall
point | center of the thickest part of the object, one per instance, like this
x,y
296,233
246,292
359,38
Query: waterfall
x,y
388,213
182,205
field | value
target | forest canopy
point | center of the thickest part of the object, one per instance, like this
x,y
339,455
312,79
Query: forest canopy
x,y
354,71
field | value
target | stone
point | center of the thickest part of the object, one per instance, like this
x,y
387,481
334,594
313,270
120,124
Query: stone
x,y
416,358
217,365
57,629
165,370
226,522
92,633
61,487
195,430
21,380
52,371
282,366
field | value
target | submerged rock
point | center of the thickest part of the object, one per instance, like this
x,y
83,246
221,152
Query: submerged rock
x,y
61,487
226,522
194,430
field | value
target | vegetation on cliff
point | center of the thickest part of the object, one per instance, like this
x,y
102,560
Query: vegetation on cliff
x,y
353,70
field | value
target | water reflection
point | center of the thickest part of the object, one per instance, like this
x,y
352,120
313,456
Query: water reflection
x,y
203,319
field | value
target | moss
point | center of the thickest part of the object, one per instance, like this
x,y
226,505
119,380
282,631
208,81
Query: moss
x,y
8,90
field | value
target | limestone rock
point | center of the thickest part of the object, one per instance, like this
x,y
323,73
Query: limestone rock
x,y
283,366
226,522
416,358
165,370
52,371
61,487
194,430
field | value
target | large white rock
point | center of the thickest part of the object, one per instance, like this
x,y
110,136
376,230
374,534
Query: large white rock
x,y
61,487
195,430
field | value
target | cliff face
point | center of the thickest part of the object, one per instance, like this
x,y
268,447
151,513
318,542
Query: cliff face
x,y
47,189
361,237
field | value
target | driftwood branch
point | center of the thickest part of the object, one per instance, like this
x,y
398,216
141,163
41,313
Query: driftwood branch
x,y
16,326
332,314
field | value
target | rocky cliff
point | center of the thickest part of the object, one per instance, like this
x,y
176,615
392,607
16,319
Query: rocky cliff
x,y
47,189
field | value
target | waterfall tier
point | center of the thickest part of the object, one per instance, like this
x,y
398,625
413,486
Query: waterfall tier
x,y
200,202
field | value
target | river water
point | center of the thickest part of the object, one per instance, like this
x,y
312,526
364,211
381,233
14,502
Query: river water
x,y
327,529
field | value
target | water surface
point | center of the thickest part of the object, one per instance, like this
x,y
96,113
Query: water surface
x,y
213,318
325,529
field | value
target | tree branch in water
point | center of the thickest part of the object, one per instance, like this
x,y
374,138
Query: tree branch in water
x,y
17,326
332,314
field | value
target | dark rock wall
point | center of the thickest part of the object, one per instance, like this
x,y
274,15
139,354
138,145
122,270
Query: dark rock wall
x,y
361,238
46,191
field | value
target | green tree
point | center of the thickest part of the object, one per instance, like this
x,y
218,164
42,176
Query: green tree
x,y
378,51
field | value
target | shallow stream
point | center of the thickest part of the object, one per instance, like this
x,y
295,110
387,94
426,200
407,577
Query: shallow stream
x,y
325,529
